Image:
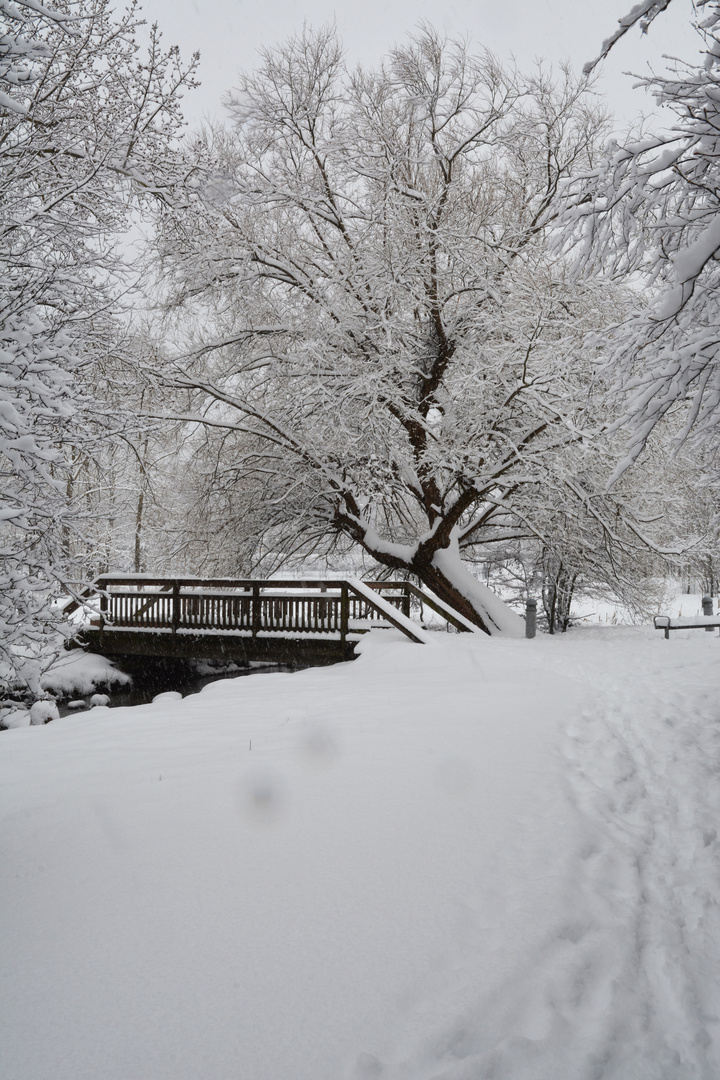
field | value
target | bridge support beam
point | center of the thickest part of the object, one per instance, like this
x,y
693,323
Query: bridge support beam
x,y
239,649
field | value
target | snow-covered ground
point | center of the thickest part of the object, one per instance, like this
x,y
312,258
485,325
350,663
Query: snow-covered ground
x,y
477,858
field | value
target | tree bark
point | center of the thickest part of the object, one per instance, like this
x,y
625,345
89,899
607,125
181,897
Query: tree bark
x,y
138,532
438,566
557,593
445,590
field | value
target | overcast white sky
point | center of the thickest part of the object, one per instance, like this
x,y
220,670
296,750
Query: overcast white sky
x,y
228,34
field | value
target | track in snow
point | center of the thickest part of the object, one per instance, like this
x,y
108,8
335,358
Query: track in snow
x,y
647,778
626,983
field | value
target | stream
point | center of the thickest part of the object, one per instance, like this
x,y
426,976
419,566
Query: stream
x,y
150,679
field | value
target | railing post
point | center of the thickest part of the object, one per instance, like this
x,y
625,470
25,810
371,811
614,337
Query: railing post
x,y
255,610
175,606
103,611
406,601
707,606
344,613
530,617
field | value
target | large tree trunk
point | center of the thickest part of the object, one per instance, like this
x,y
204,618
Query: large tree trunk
x,y
449,578
450,593
442,570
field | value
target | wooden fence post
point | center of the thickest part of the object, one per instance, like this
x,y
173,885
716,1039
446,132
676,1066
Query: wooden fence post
x,y
530,617
175,606
255,610
103,613
344,613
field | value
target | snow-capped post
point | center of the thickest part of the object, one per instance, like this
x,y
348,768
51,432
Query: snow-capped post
x,y
707,606
103,609
175,621
530,617
344,611
256,615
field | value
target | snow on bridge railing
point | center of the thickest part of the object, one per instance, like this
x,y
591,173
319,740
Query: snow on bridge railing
x,y
246,605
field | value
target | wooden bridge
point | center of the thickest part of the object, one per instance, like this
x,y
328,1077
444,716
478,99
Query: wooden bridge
x,y
284,621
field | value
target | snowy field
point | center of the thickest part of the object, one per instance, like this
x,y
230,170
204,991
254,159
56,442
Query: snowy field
x,y
478,858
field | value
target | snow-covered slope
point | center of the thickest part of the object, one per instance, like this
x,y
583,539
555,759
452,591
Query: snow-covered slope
x,y
493,858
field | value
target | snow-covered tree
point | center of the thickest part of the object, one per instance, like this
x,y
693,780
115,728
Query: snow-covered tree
x,y
650,211
23,49
386,353
87,126
593,546
116,486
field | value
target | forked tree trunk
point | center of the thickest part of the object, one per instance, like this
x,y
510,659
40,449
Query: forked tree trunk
x,y
435,560
449,593
443,572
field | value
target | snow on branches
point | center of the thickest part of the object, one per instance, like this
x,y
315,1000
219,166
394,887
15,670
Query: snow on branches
x,y
376,333
651,212
87,127
642,15
35,405
22,48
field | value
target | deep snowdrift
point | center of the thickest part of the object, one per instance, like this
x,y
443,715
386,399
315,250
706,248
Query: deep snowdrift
x,y
475,858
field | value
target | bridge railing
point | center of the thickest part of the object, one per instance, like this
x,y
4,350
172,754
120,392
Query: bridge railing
x,y
278,606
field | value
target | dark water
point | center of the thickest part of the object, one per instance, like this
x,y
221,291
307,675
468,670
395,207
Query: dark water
x,y
150,678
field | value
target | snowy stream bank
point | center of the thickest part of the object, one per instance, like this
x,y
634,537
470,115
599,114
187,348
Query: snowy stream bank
x,y
476,858
149,680
81,680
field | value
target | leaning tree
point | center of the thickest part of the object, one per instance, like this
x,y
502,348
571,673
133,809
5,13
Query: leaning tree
x,y
371,325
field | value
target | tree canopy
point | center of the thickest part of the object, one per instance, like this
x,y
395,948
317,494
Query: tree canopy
x,y
395,361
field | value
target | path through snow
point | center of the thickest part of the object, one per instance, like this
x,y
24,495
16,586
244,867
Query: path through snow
x,y
471,860
626,981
